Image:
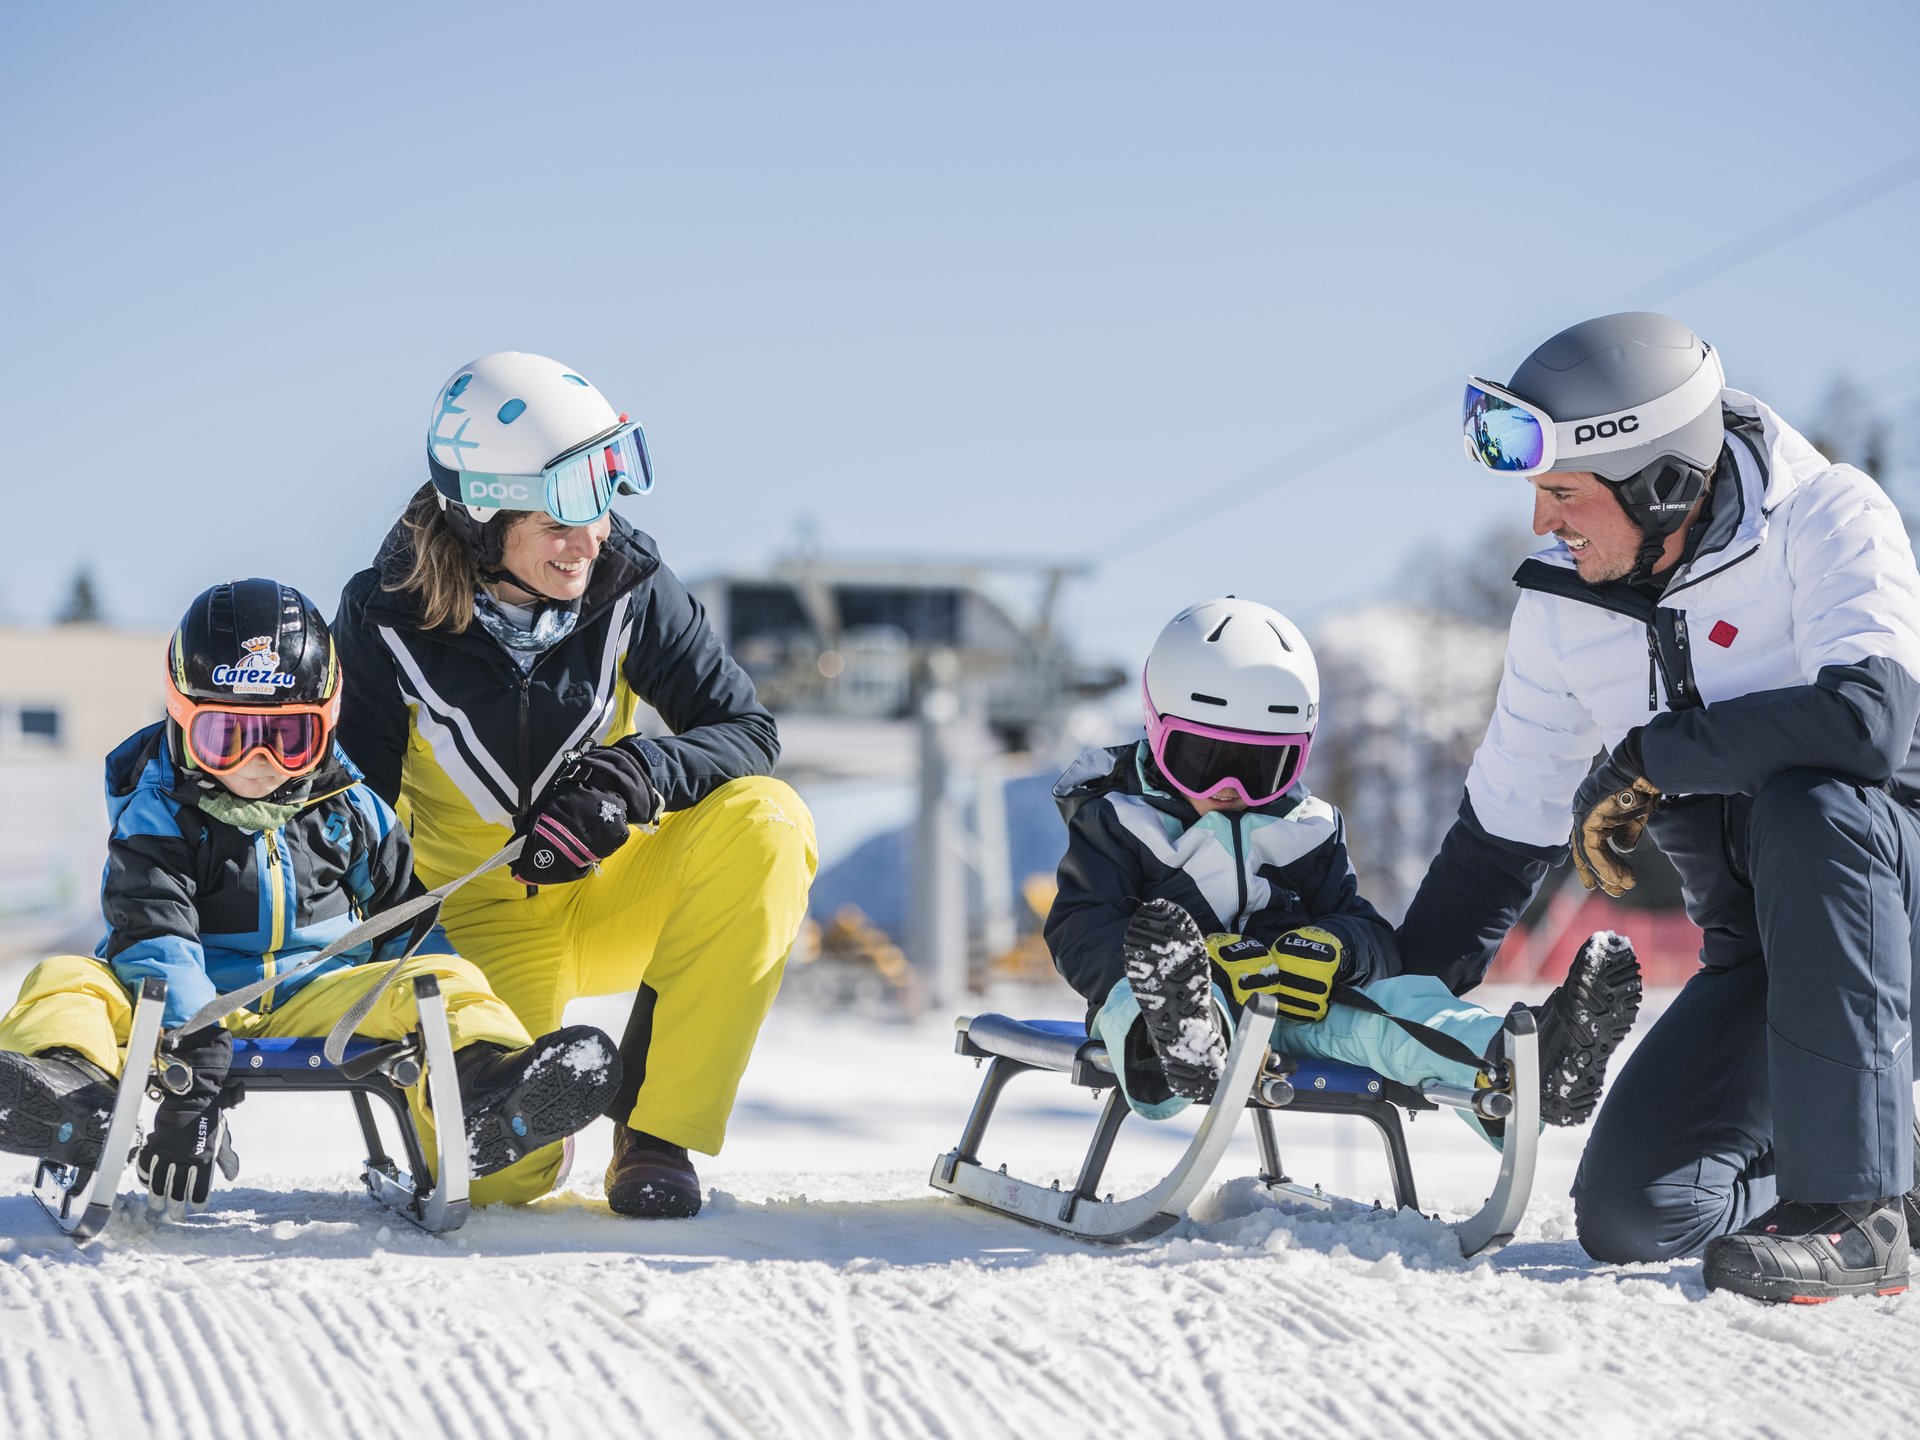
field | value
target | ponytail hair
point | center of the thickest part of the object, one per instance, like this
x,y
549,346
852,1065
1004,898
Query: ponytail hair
x,y
444,573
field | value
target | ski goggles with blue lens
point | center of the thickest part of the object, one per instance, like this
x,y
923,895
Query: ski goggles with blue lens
x,y
578,487
1503,432
1516,437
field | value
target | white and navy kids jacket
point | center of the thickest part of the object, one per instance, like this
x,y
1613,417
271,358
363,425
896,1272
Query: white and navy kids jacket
x,y
1258,873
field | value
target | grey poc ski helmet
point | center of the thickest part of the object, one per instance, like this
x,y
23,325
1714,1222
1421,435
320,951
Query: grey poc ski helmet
x,y
1598,369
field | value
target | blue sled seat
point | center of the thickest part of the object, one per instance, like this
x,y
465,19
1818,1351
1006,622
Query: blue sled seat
x,y
1063,1045
279,1054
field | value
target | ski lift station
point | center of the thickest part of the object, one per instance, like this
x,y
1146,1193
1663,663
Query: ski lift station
x,y
839,650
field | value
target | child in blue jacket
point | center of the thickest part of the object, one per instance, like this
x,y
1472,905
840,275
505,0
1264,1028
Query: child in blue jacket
x,y
244,841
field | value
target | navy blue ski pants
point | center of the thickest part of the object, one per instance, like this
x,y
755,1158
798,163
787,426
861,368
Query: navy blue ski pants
x,y
1784,1067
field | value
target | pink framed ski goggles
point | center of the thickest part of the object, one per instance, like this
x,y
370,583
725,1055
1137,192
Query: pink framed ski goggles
x,y
1201,761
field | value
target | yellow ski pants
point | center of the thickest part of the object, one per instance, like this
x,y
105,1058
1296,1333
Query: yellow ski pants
x,y
74,1001
703,910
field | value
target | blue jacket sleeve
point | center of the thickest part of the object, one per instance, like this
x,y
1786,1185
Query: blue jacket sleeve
x,y
1856,720
153,926
1474,891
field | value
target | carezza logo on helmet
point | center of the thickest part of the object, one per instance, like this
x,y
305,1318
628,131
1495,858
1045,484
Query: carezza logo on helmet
x,y
258,672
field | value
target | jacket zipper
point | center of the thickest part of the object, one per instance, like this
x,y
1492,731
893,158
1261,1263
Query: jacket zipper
x,y
526,741
277,909
1239,871
1687,693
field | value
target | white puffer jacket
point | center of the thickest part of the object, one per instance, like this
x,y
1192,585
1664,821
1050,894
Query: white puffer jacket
x,y
1805,567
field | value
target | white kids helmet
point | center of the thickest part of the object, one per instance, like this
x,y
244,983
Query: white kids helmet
x,y
512,431
1232,697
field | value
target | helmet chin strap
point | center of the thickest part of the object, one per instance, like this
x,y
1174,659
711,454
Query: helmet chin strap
x,y
1646,557
494,574
1659,499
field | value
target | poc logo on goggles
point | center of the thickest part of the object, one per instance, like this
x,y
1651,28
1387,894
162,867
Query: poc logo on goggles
x,y
1606,429
496,492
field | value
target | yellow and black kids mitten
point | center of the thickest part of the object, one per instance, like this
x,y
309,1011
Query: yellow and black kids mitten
x,y
1298,969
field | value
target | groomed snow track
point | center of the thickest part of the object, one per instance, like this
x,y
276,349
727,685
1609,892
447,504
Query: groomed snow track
x,y
825,1292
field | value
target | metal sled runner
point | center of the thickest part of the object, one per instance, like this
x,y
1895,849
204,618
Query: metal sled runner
x,y
433,1197
1254,1079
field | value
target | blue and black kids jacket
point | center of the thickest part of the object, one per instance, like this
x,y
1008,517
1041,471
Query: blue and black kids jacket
x,y
1258,873
209,907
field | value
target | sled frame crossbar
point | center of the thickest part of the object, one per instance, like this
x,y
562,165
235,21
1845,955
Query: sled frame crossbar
x,y
1255,1079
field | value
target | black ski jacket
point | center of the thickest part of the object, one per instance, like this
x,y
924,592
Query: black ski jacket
x,y
448,728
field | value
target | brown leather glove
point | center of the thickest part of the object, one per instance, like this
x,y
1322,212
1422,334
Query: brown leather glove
x,y
1610,811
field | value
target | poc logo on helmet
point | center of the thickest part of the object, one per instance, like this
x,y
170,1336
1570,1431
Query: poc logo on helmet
x,y
1606,429
494,491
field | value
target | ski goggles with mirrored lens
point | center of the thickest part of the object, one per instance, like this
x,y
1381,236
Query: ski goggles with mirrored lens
x,y
1516,437
1201,761
1503,432
220,740
578,487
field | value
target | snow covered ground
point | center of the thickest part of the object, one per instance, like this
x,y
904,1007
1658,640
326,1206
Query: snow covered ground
x,y
827,1291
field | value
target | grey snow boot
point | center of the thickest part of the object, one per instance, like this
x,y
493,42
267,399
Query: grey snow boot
x,y
54,1106
517,1101
1581,1022
1802,1254
1168,969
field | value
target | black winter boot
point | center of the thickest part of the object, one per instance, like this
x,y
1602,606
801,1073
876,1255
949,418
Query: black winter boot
x,y
1803,1253
650,1177
1582,1021
54,1106
517,1101
1167,966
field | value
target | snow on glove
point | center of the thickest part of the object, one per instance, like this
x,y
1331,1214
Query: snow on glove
x,y
189,1136
1610,810
586,814
1298,969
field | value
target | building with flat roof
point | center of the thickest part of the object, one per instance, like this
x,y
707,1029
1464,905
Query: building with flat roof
x,y
68,695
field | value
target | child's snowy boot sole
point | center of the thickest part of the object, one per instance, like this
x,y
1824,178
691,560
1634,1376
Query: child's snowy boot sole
x,y
1582,1023
1167,968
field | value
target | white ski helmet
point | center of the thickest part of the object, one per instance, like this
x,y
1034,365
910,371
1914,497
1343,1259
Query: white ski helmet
x,y
513,431
1232,697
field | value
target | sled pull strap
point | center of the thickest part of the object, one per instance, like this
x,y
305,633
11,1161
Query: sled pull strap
x,y
422,910
336,1047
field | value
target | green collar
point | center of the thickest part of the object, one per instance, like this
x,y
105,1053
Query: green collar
x,y
256,815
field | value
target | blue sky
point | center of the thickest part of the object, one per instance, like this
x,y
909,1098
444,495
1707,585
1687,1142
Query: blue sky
x,y
1001,280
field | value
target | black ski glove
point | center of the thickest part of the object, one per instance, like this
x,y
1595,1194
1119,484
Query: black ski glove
x,y
1610,809
586,814
189,1135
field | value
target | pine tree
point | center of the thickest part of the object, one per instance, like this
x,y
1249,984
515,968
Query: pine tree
x,y
1849,429
82,606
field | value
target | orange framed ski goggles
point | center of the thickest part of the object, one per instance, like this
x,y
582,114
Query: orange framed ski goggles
x,y
222,738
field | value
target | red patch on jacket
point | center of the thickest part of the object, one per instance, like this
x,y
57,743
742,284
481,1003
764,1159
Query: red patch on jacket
x,y
1722,633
